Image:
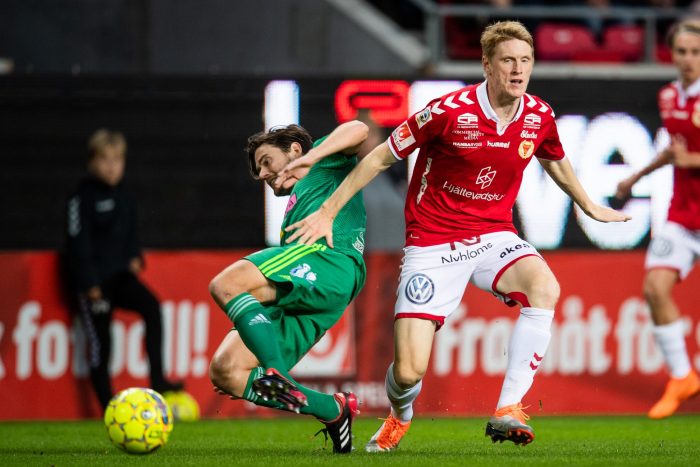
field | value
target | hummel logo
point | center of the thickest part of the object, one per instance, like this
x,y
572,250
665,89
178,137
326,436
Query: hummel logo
x,y
259,319
536,364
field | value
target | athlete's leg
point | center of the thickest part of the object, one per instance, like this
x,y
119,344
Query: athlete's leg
x,y
671,255
531,277
233,369
529,281
246,289
668,328
670,337
413,341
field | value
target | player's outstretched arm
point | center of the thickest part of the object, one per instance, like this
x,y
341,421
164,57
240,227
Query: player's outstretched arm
x,y
624,188
345,139
320,223
563,174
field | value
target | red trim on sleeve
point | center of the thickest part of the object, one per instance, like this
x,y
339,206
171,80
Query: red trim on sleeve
x,y
440,320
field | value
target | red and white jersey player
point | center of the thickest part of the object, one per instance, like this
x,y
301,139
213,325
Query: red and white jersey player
x,y
470,165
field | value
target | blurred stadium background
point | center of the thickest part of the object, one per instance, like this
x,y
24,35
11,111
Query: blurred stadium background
x,y
188,81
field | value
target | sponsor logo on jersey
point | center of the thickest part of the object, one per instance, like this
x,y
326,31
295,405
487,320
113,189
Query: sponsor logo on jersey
x,y
485,177
423,117
498,144
528,134
467,120
465,255
468,134
419,289
105,205
290,203
680,114
512,249
461,191
403,137
526,148
473,144
532,121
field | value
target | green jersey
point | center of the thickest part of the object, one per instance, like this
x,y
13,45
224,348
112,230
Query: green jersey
x,y
311,191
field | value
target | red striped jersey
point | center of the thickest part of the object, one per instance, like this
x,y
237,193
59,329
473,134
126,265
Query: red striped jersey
x,y
680,114
468,170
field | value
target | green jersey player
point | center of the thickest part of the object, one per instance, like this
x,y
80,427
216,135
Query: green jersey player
x,y
283,299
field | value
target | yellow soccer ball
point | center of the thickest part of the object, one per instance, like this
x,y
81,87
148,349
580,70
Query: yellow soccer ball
x,y
185,408
138,420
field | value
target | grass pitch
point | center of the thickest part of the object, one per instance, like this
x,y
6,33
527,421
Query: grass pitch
x,y
288,441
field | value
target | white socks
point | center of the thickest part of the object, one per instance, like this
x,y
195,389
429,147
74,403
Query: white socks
x,y
526,349
671,341
401,399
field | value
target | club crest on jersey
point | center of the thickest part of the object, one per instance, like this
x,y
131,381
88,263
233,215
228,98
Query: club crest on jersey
x,y
291,202
532,121
526,148
485,177
667,98
419,289
403,137
423,117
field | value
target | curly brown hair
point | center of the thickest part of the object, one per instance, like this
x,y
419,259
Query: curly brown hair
x,y
281,137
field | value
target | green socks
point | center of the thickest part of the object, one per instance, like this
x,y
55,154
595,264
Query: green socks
x,y
260,336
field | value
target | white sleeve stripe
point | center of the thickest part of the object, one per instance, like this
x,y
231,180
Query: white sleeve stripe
x,y
393,151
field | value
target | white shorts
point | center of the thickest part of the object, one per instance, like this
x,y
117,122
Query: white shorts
x,y
674,247
433,279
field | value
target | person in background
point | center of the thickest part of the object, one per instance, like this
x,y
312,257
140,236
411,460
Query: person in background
x,y
675,247
102,260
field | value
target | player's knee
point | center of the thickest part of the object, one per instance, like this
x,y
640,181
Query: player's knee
x,y
228,374
544,293
221,371
654,291
407,375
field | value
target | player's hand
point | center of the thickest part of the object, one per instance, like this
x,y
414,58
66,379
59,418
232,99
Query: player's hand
x,y
293,172
308,230
94,293
135,265
605,214
624,188
679,152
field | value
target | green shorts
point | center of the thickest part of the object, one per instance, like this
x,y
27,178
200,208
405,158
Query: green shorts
x,y
315,284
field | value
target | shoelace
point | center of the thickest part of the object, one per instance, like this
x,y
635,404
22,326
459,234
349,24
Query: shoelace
x,y
325,436
517,412
394,427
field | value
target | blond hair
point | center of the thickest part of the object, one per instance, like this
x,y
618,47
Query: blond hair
x,y
503,31
687,25
102,138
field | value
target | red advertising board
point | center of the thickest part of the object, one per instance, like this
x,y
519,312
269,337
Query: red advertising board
x,y
602,358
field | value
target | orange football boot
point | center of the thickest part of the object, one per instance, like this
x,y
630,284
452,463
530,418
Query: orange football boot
x,y
678,390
